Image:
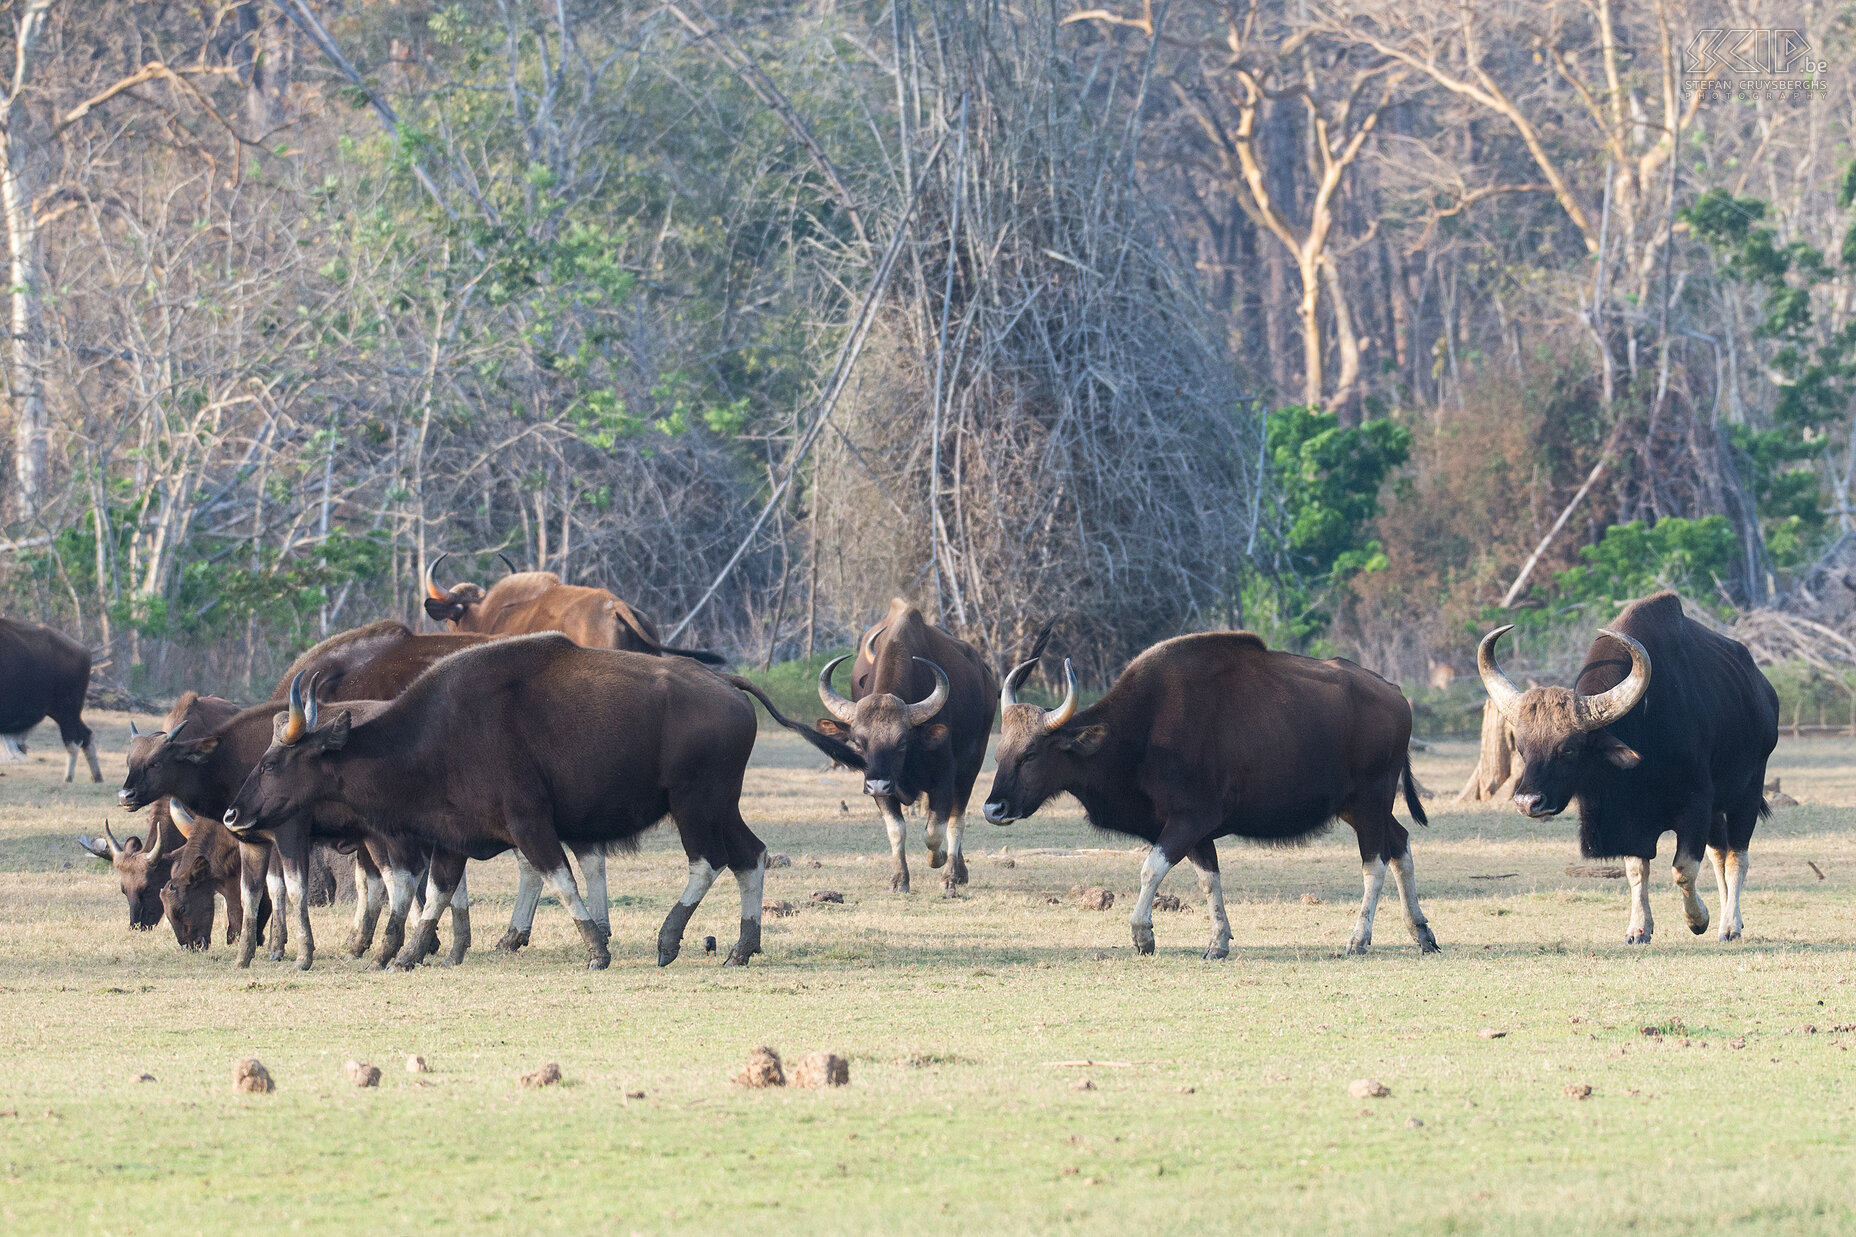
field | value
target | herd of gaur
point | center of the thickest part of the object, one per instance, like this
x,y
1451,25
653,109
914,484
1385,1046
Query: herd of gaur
x,y
549,718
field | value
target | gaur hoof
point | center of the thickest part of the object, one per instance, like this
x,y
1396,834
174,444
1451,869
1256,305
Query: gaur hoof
x,y
380,963
1637,938
734,958
1143,938
959,875
950,888
1358,947
356,947
513,939
1699,929
1217,953
899,882
937,858
1730,934
276,955
454,958
667,951
598,961
304,962
1427,940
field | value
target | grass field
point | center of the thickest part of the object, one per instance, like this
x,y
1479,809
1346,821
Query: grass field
x,y
1219,1102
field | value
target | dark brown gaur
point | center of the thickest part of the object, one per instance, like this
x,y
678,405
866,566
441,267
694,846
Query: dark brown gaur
x,y
1213,736
45,673
1668,727
611,743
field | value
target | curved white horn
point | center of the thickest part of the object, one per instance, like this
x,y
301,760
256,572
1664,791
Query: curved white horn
x,y
870,642
298,724
133,732
431,586
1055,719
1013,681
110,837
828,696
922,710
158,838
1500,687
1606,707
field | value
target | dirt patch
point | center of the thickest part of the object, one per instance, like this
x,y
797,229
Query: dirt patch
x,y
779,861
362,1074
546,1076
250,1075
822,1069
1168,902
827,895
1309,899
779,908
762,1070
1095,898
1578,1091
1368,1089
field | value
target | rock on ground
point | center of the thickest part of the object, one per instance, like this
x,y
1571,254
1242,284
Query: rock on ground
x,y
250,1075
1368,1089
415,1064
822,1069
763,1070
1096,898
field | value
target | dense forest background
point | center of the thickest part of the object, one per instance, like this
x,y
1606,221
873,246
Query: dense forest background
x,y
1355,323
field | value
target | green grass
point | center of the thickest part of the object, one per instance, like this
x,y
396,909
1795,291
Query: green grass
x,y
1227,1108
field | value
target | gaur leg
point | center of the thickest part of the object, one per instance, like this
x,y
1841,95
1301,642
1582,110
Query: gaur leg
x,y
747,859
401,881
940,802
235,907
1177,840
1735,865
253,861
1405,877
1642,923
956,859
444,881
293,844
898,838
593,872
670,936
370,899
522,915
542,846
90,755
70,761
1687,868
1204,858
1728,849
460,921
275,889
1692,823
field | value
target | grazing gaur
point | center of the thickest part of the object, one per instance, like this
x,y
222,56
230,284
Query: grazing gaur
x,y
141,864
526,602
1215,735
208,864
918,721
45,673
205,767
1668,727
528,742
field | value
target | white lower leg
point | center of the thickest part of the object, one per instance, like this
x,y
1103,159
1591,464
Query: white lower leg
x,y
1736,866
280,908
1211,884
436,900
562,881
13,747
306,942
1642,924
1141,919
70,761
528,895
753,893
370,896
90,755
701,877
956,835
898,839
1373,881
593,871
935,835
1687,869
1405,878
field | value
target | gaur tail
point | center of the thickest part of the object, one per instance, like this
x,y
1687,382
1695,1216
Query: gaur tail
x,y
643,631
1037,646
1413,804
702,655
842,753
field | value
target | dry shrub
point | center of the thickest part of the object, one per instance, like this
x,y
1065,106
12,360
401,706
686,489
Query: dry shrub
x,y
762,1070
822,1069
361,1074
546,1076
251,1076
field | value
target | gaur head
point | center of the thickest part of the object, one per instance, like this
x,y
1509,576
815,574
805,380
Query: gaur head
x,y
187,896
1040,752
142,870
1557,730
458,605
883,728
288,778
162,763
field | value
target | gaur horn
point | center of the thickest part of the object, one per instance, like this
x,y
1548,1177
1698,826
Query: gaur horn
x,y
431,585
513,569
1013,681
184,820
922,710
1606,707
298,725
1055,718
870,642
828,696
110,837
157,840
175,733
1501,688
133,732
311,707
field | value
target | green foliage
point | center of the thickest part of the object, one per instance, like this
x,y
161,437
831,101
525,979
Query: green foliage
x,y
1636,559
1328,480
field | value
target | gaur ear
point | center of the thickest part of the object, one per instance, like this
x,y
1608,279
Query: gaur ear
x,y
1616,752
198,751
443,611
931,737
336,736
1087,741
830,726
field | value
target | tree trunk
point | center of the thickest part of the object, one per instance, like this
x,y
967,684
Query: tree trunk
x,y
1498,766
26,377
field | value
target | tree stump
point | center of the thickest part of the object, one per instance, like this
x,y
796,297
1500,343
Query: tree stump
x,y
1498,766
